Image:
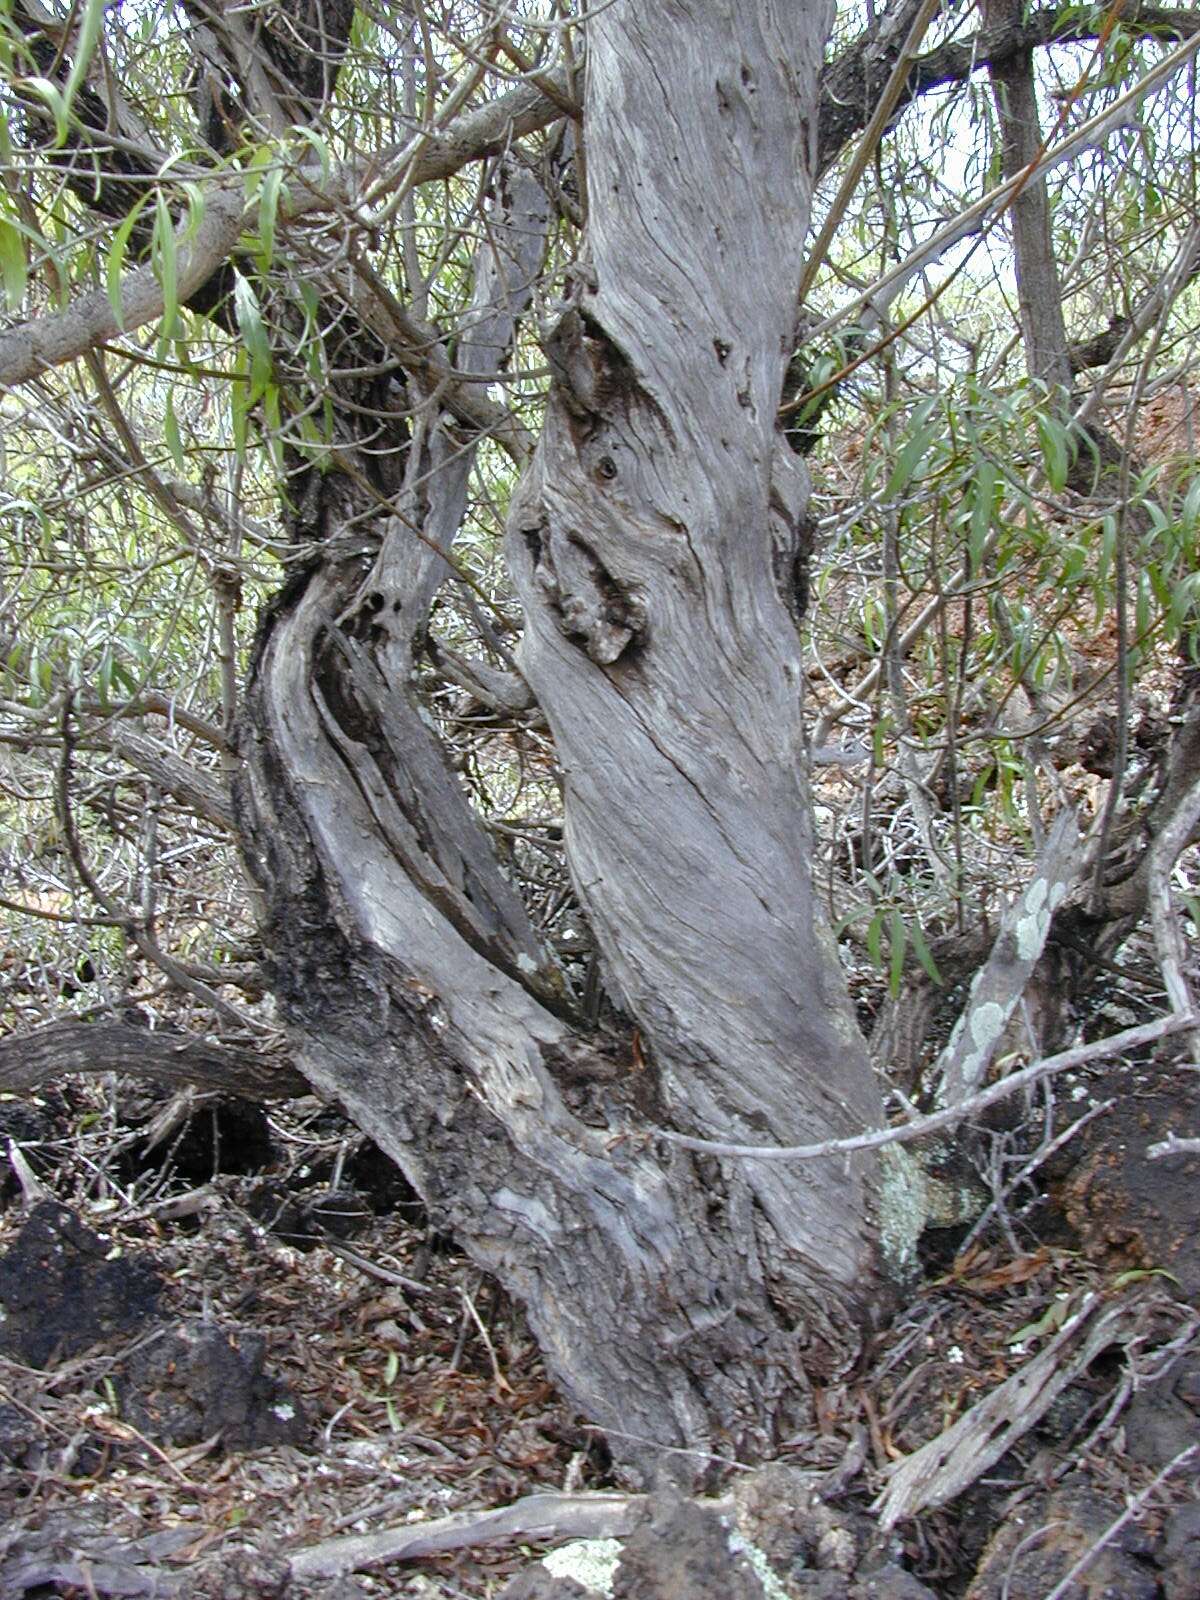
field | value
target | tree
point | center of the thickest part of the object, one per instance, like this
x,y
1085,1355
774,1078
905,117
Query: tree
x,y
643,212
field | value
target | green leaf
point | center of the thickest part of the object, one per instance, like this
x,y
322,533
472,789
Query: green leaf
x,y
899,943
195,213
875,938
314,140
274,420
983,500
171,434
1137,1274
268,209
45,91
12,263
1056,452
1050,1321
115,264
923,953
85,48
239,407
923,430
254,334
165,263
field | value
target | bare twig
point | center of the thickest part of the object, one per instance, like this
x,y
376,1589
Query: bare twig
x,y
1078,1056
1135,1505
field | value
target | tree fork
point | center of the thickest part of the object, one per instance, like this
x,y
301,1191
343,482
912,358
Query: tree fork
x,y
681,1303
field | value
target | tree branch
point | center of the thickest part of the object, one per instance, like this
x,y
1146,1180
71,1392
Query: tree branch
x,y
905,1133
851,85
45,342
31,1059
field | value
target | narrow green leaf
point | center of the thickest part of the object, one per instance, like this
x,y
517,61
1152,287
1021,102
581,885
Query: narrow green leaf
x,y
85,48
1056,454
983,498
195,213
923,429
166,264
12,263
115,265
875,938
48,93
316,143
274,420
268,208
899,949
923,953
254,334
171,433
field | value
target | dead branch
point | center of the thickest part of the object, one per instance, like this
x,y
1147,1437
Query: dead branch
x,y
951,1463
29,1060
537,1516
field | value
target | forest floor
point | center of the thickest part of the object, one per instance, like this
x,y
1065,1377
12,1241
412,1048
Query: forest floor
x,y
287,1355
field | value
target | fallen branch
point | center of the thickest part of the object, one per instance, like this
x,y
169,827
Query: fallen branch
x,y
951,1463
1173,1145
28,1060
1168,938
537,1516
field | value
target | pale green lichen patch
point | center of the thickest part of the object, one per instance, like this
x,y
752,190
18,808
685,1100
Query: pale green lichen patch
x,y
591,1562
903,1203
772,1588
1031,934
987,1023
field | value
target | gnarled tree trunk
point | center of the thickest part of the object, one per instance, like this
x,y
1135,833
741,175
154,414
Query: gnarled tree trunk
x,y
654,542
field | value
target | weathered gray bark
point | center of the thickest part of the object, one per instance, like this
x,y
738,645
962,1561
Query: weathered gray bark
x,y
29,1060
653,543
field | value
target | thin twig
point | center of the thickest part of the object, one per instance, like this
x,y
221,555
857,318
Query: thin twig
x,y
1078,1056
1135,1505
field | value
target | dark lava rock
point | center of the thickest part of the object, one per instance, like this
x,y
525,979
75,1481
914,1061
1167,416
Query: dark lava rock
x,y
535,1583
1163,1418
1126,1210
218,1133
1181,1554
25,1123
19,1433
1035,1548
338,1213
682,1551
377,1177
59,1292
307,1220
198,1380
